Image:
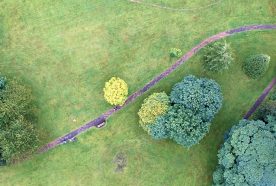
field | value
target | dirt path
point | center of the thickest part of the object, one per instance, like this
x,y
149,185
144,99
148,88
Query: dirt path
x,y
260,99
101,119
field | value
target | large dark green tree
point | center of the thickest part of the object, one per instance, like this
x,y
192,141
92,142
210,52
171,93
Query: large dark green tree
x,y
217,57
17,133
194,102
247,156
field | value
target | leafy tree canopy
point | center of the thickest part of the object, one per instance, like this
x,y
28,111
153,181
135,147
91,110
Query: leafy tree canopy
x,y
217,57
200,95
256,65
115,91
154,106
247,156
17,133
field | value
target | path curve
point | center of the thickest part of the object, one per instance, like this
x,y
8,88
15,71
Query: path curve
x,y
174,9
102,118
261,98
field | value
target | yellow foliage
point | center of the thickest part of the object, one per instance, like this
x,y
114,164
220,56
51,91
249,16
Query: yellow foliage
x,y
115,91
155,105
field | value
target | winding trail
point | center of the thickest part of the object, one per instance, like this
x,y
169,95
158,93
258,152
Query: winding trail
x,y
102,118
261,98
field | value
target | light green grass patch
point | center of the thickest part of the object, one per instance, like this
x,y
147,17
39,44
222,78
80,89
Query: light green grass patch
x,y
67,49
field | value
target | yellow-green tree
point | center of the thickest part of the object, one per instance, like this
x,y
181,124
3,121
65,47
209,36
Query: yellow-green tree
x,y
155,105
115,91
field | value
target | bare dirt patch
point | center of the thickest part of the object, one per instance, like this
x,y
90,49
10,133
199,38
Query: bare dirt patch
x,y
120,160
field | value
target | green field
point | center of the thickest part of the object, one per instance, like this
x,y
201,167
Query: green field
x,y
67,49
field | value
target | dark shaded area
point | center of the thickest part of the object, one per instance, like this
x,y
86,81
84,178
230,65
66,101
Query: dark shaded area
x,y
121,161
260,99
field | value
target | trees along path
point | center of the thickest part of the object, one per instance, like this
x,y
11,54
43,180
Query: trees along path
x,y
98,122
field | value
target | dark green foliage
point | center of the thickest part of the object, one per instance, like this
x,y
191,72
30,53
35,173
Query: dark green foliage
x,y
273,95
217,57
17,138
267,108
256,65
200,95
194,102
159,130
247,157
3,81
2,161
175,52
17,134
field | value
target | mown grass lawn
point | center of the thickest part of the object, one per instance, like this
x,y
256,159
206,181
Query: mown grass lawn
x,y
67,49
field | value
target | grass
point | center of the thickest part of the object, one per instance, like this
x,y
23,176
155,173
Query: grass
x,y
67,49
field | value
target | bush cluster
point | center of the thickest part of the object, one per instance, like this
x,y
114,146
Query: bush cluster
x,y
115,91
193,104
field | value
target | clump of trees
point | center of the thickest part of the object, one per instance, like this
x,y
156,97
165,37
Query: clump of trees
x,y
193,104
217,57
267,109
256,65
115,91
247,156
175,52
154,106
18,136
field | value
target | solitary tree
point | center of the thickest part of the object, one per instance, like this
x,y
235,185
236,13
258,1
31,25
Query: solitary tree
x,y
217,57
115,91
256,65
247,156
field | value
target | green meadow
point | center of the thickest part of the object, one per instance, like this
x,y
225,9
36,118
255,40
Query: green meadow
x,y
67,49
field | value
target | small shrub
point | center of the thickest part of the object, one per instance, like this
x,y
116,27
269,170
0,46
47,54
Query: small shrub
x,y
115,91
256,66
217,57
155,105
175,52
